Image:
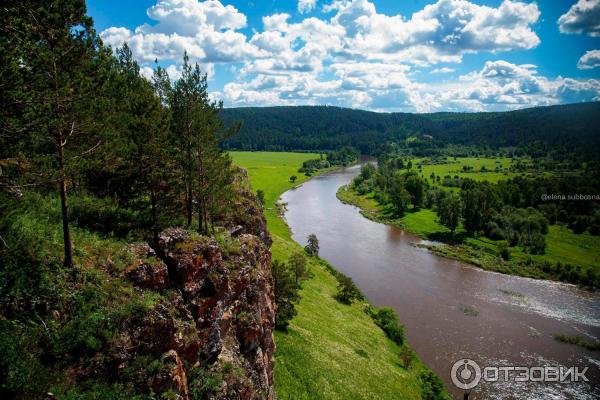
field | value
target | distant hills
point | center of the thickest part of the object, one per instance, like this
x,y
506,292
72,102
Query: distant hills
x,y
573,127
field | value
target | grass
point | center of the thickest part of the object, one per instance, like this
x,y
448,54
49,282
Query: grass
x,y
562,245
271,172
331,350
495,169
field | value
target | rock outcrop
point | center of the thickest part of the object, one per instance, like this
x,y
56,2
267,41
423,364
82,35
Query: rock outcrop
x,y
211,333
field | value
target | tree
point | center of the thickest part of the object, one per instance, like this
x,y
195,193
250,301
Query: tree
x,y
479,202
293,178
286,294
398,194
312,247
297,264
198,131
415,186
347,290
185,106
63,71
140,158
449,210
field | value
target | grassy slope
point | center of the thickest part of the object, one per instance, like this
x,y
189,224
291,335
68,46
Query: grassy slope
x,y
320,356
562,245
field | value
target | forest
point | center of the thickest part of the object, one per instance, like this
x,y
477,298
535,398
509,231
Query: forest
x,y
562,130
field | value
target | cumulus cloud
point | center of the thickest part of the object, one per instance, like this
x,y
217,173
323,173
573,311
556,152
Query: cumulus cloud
x,y
441,32
498,85
591,59
205,29
305,6
501,85
355,56
583,17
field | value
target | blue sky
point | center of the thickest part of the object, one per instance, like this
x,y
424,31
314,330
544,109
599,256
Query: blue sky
x,y
411,55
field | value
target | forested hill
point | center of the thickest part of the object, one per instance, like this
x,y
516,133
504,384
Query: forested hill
x,y
571,127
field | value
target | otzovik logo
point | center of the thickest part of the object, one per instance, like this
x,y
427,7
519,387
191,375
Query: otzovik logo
x,y
465,374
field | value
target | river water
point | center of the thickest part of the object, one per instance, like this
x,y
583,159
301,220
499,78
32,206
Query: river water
x,y
437,298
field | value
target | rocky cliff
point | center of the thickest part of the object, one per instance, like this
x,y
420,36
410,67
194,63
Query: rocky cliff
x,y
213,329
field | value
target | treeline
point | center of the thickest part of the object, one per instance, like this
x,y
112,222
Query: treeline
x,y
561,130
341,157
123,153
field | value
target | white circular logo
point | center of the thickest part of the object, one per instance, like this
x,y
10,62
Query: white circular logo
x,y
465,374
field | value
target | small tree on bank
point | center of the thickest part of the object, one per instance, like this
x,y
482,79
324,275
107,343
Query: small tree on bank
x,y
312,248
286,294
298,266
347,290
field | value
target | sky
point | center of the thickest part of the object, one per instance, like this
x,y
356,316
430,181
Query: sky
x,y
380,55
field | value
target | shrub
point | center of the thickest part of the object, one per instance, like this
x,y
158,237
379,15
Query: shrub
x,y
406,357
347,290
297,265
432,387
387,319
503,251
203,383
286,294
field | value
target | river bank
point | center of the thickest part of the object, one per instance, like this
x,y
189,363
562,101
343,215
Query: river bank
x,y
331,350
478,251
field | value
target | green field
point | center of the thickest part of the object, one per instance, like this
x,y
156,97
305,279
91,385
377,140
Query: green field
x,y
562,245
331,350
488,169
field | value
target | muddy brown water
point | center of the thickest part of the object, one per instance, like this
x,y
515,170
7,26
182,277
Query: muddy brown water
x,y
436,298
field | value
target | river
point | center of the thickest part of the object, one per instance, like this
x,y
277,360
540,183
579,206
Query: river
x,y
452,310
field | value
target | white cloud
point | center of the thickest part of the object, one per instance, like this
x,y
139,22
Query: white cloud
x,y
305,6
591,59
443,70
583,17
205,29
441,32
499,85
356,56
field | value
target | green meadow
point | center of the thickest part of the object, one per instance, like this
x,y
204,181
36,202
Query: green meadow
x,y
480,169
331,350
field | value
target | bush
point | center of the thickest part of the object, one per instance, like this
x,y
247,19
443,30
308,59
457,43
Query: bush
x,y
536,243
432,387
105,216
406,357
387,319
347,290
503,251
286,294
580,223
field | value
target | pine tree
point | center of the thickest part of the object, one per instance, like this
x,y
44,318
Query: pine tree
x,y
61,63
